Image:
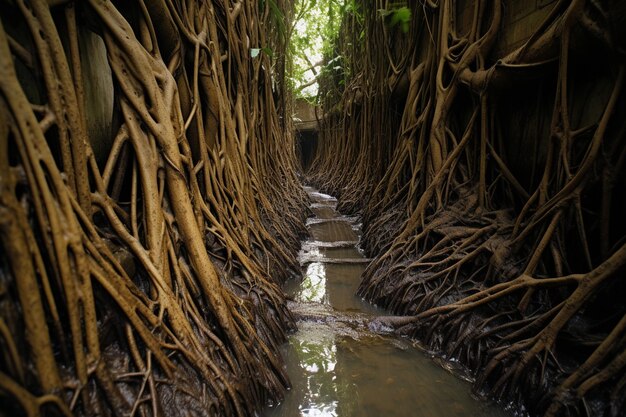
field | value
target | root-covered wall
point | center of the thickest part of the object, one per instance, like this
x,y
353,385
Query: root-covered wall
x,y
484,144
149,207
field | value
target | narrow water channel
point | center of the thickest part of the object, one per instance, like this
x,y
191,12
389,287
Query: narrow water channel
x,y
336,365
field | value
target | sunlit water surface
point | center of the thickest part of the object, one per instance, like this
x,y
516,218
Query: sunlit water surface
x,y
340,369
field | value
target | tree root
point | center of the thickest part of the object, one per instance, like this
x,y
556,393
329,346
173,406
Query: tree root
x,y
495,258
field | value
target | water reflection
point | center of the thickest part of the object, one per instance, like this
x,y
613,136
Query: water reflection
x,y
313,286
332,284
370,376
318,365
311,359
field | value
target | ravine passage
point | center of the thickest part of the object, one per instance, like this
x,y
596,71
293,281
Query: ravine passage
x,y
204,214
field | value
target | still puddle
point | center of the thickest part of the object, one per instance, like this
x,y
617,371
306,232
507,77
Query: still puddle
x,y
337,367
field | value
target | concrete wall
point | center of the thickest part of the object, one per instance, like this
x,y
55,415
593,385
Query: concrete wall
x,y
520,19
97,77
524,108
304,115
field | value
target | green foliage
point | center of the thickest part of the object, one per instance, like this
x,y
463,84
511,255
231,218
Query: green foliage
x,y
401,16
352,7
397,16
315,27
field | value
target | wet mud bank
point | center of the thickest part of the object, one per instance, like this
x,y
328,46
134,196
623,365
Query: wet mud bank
x,y
341,361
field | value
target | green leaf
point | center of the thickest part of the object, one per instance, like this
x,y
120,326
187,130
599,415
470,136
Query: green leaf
x,y
401,16
267,51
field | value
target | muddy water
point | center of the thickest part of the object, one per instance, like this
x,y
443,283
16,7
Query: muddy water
x,y
336,365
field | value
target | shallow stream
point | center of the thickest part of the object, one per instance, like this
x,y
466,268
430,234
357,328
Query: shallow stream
x,y
336,365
